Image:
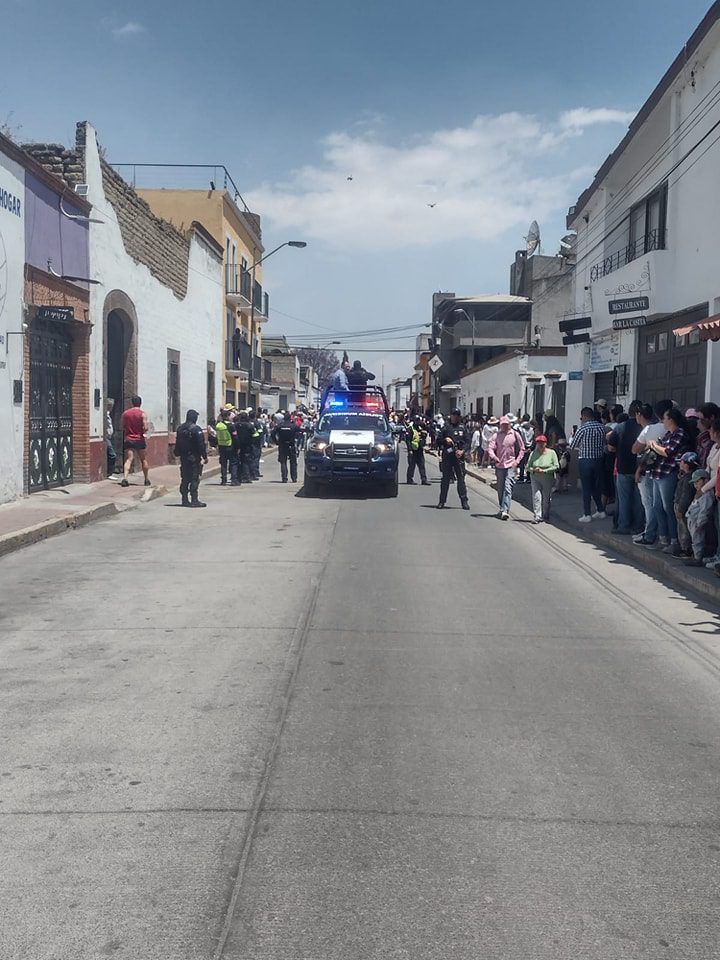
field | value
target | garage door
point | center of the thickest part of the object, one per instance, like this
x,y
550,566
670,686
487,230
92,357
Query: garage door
x,y
672,367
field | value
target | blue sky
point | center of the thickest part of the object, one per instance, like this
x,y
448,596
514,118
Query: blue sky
x,y
465,104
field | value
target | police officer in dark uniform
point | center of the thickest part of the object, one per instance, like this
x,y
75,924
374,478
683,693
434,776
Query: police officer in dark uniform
x,y
453,441
190,447
244,436
256,452
285,436
416,437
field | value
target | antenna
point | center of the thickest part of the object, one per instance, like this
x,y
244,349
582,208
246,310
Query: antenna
x,y
533,238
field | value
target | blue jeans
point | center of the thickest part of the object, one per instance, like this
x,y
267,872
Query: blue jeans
x,y
663,507
591,472
505,481
630,514
646,495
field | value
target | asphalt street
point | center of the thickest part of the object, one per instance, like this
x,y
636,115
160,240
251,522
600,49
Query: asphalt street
x,y
352,728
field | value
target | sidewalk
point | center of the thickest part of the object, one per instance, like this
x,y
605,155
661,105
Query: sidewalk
x,y
567,507
50,512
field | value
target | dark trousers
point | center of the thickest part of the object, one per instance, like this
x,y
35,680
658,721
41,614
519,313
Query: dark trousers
x,y
416,458
591,478
244,459
228,461
453,466
288,452
190,470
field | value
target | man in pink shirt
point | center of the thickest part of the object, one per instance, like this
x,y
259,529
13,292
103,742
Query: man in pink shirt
x,y
506,450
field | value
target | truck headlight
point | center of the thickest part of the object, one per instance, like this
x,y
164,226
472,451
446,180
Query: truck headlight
x,y
317,446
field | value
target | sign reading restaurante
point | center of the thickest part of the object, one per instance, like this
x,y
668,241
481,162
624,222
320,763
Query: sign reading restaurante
x,y
628,305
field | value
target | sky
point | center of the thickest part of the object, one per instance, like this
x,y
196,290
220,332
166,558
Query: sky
x,y
409,143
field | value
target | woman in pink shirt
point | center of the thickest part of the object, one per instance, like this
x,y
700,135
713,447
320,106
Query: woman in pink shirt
x,y
506,450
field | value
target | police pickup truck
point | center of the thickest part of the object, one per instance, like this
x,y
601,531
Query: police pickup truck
x,y
353,442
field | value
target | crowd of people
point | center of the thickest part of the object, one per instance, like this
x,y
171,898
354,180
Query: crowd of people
x,y
652,470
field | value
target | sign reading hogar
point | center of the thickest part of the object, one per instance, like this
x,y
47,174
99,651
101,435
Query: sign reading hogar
x,y
12,242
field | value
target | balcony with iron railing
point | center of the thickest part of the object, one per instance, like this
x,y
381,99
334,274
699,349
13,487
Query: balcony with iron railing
x,y
238,356
238,282
653,240
257,369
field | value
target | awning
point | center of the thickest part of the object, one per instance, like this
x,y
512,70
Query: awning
x,y
709,328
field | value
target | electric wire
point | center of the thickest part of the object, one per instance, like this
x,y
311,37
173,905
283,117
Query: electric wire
x,y
608,231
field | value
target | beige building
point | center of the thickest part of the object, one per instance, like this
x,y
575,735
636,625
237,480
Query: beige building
x,y
242,302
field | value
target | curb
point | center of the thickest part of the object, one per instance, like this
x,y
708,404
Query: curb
x,y
9,542
672,572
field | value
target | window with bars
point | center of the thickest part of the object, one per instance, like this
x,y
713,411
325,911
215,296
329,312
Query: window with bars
x,y
173,390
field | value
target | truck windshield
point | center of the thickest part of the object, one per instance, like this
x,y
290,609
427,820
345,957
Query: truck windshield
x,y
353,421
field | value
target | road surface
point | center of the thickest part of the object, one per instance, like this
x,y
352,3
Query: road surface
x,y
352,728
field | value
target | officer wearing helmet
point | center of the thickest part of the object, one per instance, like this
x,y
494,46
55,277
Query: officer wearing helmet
x,y
453,441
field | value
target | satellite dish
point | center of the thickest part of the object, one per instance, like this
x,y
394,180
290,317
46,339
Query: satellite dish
x,y
533,238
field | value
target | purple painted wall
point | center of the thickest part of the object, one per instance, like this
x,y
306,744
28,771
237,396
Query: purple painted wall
x,y
50,234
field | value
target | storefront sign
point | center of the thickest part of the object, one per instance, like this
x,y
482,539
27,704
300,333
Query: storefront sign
x,y
61,314
628,323
604,355
575,375
628,305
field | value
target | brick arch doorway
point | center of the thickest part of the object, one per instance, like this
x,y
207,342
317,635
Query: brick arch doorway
x,y
120,326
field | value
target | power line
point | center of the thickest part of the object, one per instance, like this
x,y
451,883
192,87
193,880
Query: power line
x,y
666,177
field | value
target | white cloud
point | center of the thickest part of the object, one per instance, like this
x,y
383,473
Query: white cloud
x,y
483,179
130,29
584,117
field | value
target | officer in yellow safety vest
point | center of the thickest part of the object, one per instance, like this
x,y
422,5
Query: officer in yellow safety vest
x,y
416,440
225,432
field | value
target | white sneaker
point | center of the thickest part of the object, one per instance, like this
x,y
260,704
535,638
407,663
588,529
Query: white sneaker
x,y
584,519
599,515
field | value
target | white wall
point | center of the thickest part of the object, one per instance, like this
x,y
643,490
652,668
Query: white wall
x,y
189,326
12,272
685,274
509,377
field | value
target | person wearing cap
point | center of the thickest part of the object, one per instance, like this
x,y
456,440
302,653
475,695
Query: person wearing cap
x,y
453,442
227,449
684,496
506,451
488,432
699,515
542,468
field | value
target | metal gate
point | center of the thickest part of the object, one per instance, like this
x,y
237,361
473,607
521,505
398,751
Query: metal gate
x,y
50,461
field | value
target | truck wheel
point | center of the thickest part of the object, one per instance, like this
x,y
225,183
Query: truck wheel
x,y
393,487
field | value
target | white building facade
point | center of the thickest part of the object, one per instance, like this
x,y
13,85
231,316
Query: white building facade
x,y
519,382
12,266
157,332
646,279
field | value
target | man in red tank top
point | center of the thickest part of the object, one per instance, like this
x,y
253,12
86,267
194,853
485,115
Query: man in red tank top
x,y
135,426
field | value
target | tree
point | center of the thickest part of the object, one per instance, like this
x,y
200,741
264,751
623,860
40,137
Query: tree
x,y
323,361
8,128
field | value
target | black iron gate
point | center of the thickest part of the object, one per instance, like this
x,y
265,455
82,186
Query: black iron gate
x,y
50,462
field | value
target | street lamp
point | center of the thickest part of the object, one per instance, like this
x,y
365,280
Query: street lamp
x,y
298,244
